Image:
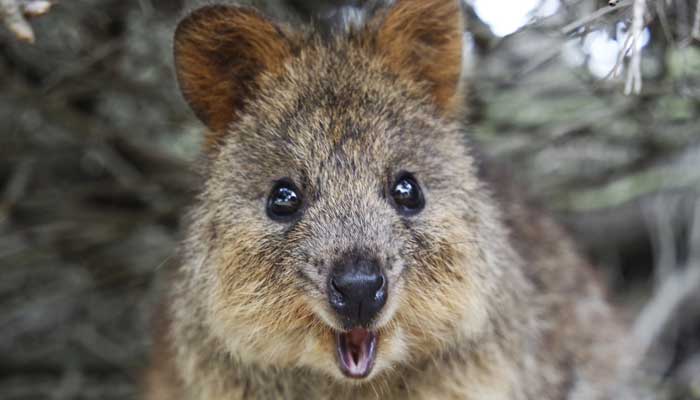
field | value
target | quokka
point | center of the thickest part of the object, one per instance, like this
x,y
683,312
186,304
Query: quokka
x,y
344,245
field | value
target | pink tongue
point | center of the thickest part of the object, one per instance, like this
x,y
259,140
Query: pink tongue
x,y
357,342
356,350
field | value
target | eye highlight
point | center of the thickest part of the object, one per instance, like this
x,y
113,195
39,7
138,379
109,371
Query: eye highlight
x,y
284,201
407,195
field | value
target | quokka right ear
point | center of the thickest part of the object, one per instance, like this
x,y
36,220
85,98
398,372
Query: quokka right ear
x,y
423,39
220,51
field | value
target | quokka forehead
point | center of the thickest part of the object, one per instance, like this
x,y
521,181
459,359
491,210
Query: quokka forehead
x,y
309,117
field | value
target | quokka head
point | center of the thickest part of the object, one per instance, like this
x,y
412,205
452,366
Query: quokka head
x,y
341,228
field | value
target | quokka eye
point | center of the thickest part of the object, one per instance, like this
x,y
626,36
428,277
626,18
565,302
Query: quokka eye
x,y
407,195
284,201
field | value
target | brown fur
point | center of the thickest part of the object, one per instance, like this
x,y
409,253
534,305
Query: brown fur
x,y
486,298
424,40
219,52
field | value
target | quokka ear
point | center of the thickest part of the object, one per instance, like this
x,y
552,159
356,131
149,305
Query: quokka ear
x,y
423,38
220,51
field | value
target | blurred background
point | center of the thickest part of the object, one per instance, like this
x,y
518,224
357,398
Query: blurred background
x,y
96,145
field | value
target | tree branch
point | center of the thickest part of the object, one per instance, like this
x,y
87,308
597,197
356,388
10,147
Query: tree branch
x,y
14,14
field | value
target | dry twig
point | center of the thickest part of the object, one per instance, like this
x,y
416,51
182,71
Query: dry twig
x,y
14,13
696,24
580,23
676,286
634,73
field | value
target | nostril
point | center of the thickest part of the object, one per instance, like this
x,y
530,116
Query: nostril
x,y
337,295
382,282
335,287
379,294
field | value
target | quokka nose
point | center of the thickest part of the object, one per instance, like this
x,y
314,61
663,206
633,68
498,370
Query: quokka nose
x,y
357,291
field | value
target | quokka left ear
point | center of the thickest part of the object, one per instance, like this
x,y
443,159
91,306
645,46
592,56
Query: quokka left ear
x,y
423,40
220,51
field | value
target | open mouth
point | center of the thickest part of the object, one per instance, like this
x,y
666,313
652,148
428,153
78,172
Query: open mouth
x,y
356,352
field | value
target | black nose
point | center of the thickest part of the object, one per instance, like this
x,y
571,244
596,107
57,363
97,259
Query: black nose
x,y
357,290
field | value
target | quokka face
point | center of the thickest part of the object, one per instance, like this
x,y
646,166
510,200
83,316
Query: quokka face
x,y
341,228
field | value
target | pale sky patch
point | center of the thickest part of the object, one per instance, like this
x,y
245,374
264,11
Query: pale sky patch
x,y
507,16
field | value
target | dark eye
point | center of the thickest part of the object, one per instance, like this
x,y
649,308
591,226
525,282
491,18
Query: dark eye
x,y
407,196
284,201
